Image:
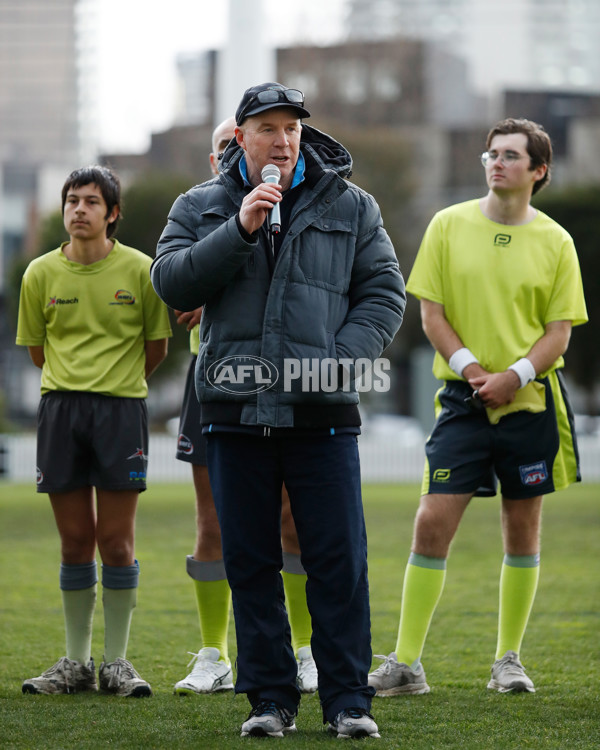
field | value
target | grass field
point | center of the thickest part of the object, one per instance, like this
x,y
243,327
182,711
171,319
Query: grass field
x,y
561,650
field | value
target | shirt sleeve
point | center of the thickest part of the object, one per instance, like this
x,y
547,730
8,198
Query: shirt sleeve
x,y
156,314
31,324
567,301
426,277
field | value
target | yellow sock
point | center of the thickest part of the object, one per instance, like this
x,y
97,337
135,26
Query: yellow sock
x,y
213,599
423,585
518,586
298,614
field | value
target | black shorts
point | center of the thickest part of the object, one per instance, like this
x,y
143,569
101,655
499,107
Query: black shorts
x,y
530,454
86,439
191,443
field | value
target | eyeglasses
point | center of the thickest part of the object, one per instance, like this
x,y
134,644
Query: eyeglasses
x,y
507,159
270,96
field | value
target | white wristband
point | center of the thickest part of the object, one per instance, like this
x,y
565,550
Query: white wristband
x,y
460,359
525,370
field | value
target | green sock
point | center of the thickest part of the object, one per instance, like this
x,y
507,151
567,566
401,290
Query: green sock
x,y
118,611
295,602
518,586
213,599
78,608
423,585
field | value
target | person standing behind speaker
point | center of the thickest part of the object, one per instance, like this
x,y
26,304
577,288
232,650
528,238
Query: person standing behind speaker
x,y
211,666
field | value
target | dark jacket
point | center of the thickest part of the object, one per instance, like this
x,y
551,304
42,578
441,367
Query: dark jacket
x,y
335,290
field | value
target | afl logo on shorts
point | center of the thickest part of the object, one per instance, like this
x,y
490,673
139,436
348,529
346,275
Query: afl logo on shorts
x,y
502,240
185,445
534,473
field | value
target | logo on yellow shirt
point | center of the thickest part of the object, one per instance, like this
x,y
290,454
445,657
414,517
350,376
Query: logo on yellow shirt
x,y
123,297
502,240
54,301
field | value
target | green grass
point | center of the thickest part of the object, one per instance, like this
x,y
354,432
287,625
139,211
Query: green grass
x,y
561,648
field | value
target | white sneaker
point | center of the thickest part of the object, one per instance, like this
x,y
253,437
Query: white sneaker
x,y
209,674
66,676
268,719
396,678
353,722
508,675
307,680
119,677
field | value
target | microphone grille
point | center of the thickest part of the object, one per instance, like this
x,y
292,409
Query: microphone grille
x,y
270,170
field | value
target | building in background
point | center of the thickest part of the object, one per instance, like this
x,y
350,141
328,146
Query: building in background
x,y
45,129
41,111
528,44
434,73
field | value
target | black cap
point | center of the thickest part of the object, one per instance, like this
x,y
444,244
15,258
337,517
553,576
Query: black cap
x,y
250,104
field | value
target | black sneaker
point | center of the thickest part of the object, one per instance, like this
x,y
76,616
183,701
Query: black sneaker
x,y
354,722
268,719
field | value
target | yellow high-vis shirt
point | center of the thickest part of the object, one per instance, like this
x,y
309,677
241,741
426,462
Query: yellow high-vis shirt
x,y
92,321
500,284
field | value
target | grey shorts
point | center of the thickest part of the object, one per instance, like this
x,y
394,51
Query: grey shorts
x,y
86,439
191,443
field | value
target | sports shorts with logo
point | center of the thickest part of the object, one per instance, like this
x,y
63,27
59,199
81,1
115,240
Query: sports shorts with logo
x,y
191,443
87,439
530,454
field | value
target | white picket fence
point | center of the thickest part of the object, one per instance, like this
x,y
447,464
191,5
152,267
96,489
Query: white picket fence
x,y
383,459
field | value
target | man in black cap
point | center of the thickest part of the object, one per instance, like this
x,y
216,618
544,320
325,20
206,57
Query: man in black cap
x,y
290,307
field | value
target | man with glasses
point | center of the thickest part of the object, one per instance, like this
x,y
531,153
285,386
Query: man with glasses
x,y
500,288
322,287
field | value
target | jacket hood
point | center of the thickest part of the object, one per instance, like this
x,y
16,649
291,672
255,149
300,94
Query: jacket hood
x,y
325,150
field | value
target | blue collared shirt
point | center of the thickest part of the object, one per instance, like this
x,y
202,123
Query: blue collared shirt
x,y
298,171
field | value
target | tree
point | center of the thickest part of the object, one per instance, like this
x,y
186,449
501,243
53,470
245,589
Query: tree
x,y
576,209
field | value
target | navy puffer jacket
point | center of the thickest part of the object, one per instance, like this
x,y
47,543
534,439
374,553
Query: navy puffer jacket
x,y
335,291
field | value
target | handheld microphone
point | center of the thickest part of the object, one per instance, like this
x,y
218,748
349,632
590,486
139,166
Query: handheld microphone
x,y
270,174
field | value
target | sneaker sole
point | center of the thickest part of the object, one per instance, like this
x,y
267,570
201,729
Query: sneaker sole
x,y
403,690
518,687
33,690
358,735
193,691
141,691
30,689
307,691
260,732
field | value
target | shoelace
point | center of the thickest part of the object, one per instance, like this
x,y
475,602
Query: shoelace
x,y
203,665
386,667
121,667
270,708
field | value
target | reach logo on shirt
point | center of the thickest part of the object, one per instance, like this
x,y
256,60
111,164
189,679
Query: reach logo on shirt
x,y
54,301
123,297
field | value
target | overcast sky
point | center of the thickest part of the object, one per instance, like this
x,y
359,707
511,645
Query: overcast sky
x,y
132,46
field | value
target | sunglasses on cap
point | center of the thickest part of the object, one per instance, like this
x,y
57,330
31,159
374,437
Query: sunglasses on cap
x,y
271,96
